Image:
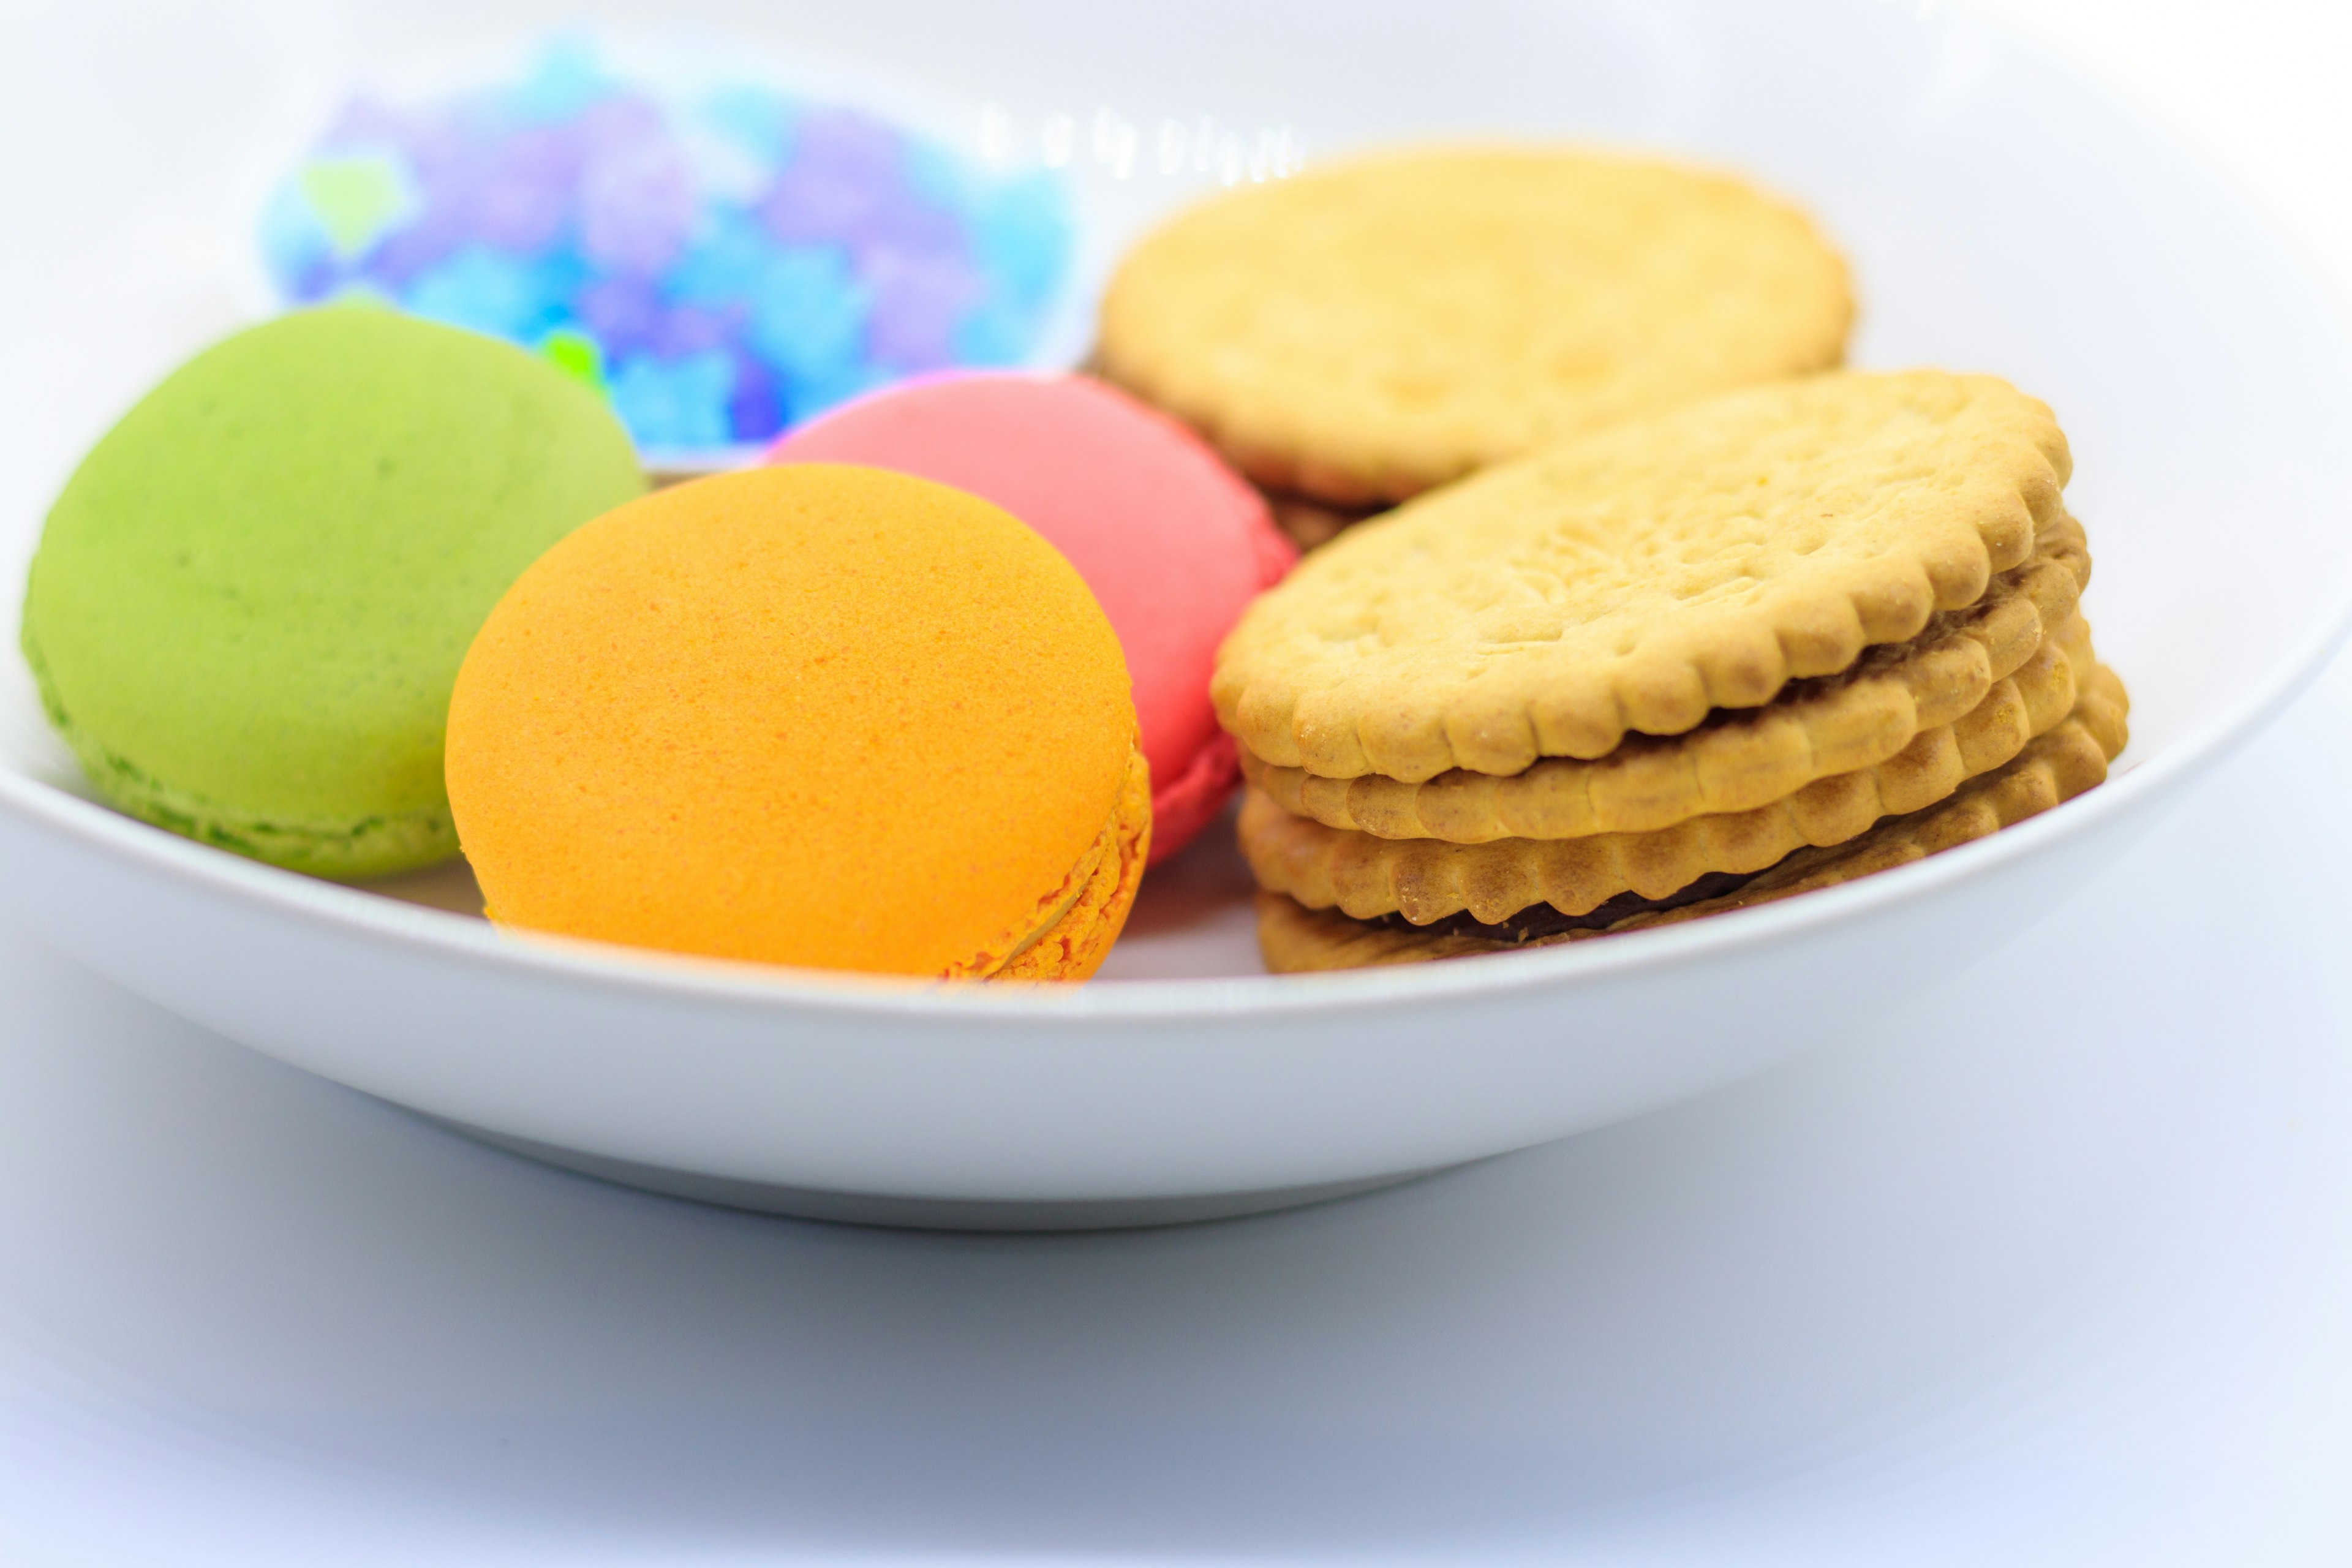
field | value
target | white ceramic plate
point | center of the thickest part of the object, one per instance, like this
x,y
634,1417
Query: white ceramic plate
x,y
1999,217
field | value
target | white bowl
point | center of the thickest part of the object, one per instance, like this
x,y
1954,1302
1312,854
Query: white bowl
x,y
2001,218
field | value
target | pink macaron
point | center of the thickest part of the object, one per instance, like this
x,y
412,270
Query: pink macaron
x,y
1173,543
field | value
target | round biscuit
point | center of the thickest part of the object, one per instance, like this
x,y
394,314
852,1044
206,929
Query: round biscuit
x,y
1635,580
1362,333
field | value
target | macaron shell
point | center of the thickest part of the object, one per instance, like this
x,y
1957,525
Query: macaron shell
x,y
1186,803
1074,946
816,715
251,601
1172,542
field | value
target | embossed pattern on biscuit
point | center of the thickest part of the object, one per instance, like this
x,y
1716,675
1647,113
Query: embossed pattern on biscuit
x,y
1636,581
1372,328
1741,758
2066,762
1428,879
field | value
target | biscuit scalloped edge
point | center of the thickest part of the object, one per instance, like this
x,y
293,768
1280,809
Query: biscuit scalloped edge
x,y
1748,758
1311,679
1427,879
2067,761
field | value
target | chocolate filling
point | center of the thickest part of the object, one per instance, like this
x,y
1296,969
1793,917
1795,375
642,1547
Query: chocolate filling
x,y
1307,522
1540,920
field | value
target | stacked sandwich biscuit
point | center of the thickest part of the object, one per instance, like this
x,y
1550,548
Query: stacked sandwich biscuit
x,y
1768,642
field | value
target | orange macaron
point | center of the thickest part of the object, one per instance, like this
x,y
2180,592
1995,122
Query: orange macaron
x,y
816,715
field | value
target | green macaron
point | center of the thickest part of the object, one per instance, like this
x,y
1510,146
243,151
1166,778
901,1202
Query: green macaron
x,y
249,606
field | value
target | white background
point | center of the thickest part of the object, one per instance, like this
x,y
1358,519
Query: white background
x,y
2061,1272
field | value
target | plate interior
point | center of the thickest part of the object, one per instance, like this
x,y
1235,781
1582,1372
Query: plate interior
x,y
1998,217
